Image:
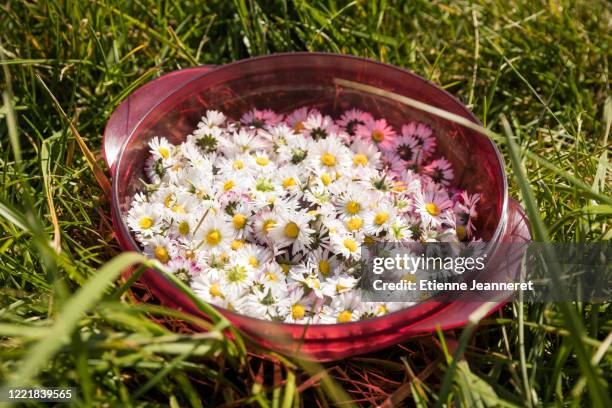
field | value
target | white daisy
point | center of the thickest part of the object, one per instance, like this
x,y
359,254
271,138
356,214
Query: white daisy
x,y
292,229
215,234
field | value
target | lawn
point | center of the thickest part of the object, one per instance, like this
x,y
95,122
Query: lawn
x,y
534,72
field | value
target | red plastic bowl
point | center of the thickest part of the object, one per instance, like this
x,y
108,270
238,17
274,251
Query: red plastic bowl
x,y
173,104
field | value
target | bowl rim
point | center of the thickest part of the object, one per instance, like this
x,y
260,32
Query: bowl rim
x,y
133,245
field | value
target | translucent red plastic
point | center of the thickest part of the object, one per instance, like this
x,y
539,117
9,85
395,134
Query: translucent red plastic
x,y
172,105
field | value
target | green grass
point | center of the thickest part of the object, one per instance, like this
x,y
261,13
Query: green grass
x,y
533,71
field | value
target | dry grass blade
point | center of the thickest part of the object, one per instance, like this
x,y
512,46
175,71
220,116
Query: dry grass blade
x,y
44,161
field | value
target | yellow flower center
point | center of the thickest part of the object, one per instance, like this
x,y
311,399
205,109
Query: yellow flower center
x,y
262,161
350,244
354,224
399,186
183,228
299,126
168,200
237,244
161,254
253,261
326,179
145,222
345,316
189,254
378,136
382,309
353,207
239,221
381,218
432,209
214,290
165,153
313,282
285,267
179,209
229,184
268,225
360,159
298,312
328,159
238,164
461,232
213,237
288,182
271,277
340,288
324,267
292,230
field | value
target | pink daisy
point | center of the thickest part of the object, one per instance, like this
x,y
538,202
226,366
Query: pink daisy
x,y
432,203
260,118
440,171
404,152
465,214
353,118
424,135
378,132
297,118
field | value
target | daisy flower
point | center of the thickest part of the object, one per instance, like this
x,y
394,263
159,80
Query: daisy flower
x,y
215,234
160,248
424,135
465,213
210,287
440,171
144,219
335,285
325,262
292,229
353,203
260,118
160,148
182,268
271,277
255,255
237,276
318,126
377,132
365,155
290,178
347,245
307,278
380,219
352,118
432,203
299,307
297,118
264,222
278,135
405,149
244,141
207,139
329,156
344,308
212,118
